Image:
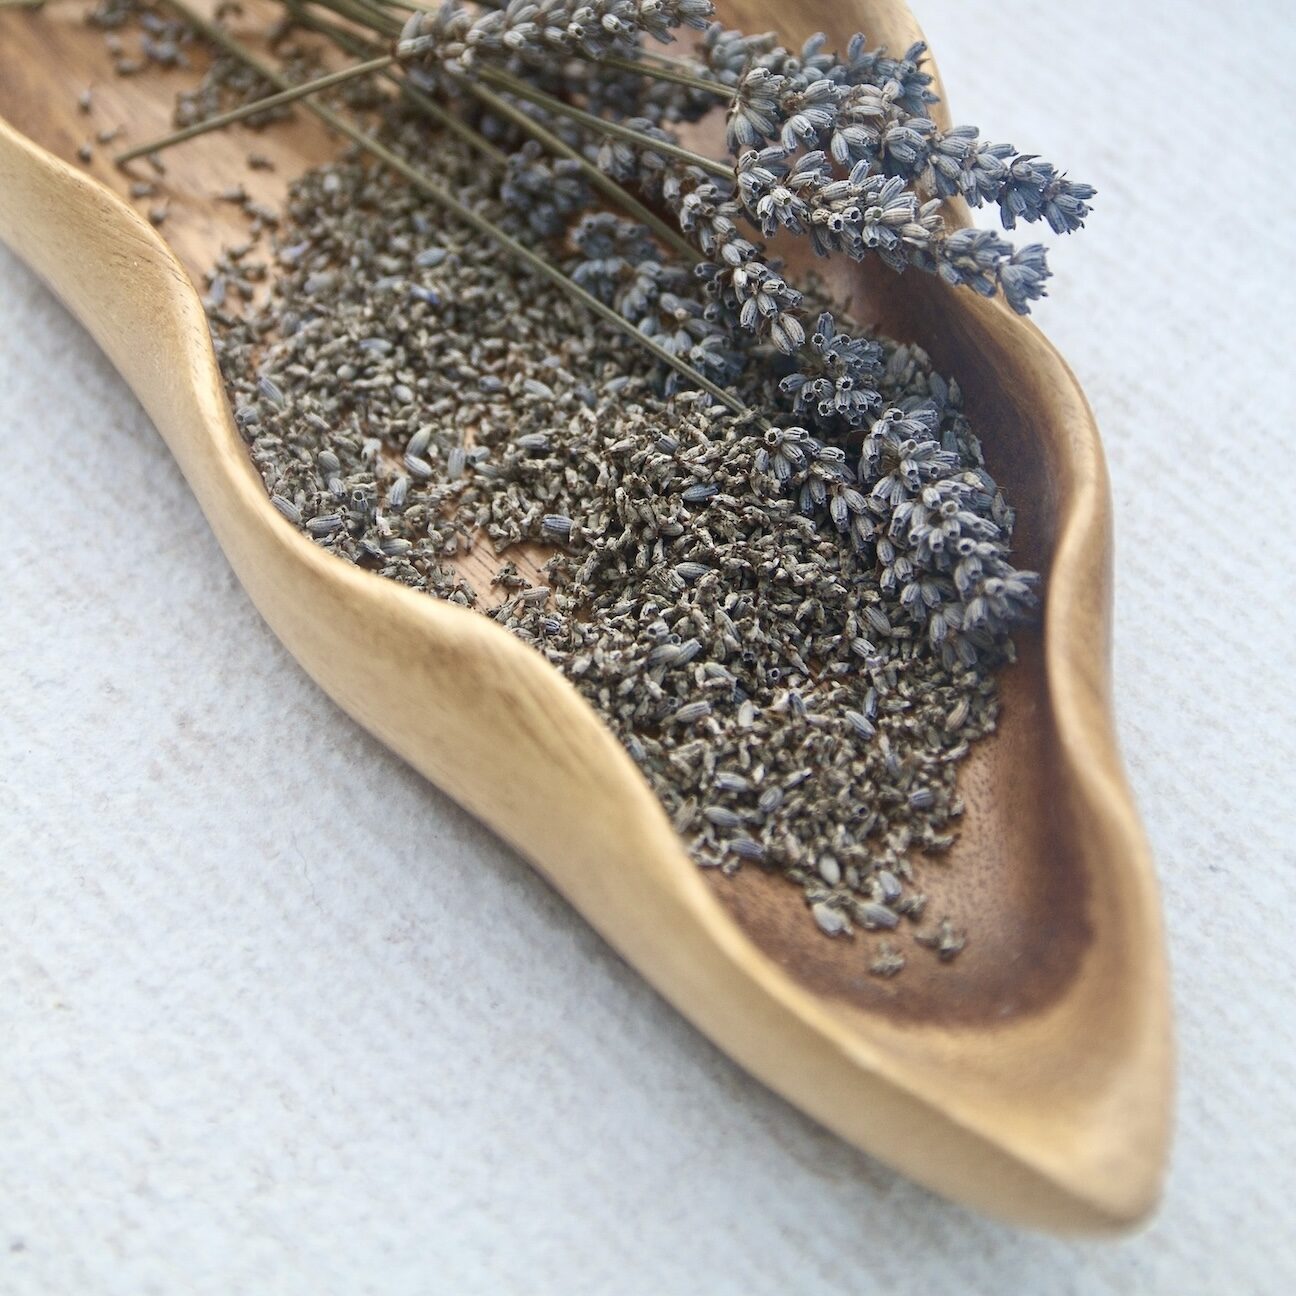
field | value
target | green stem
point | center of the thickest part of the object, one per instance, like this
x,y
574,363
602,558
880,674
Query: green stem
x,y
365,13
288,96
521,90
668,70
426,185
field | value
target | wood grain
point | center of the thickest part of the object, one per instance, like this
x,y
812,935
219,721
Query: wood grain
x,y
1030,1079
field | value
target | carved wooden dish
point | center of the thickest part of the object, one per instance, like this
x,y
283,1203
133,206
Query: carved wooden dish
x,y
1031,1078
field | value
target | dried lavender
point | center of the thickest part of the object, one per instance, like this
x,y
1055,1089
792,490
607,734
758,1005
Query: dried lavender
x,y
795,640
832,148
838,148
709,584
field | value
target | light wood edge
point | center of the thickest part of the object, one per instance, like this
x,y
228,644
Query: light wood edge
x,y
366,641
1078,626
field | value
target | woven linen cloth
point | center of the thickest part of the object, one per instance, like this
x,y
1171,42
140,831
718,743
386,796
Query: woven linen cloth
x,y
278,1017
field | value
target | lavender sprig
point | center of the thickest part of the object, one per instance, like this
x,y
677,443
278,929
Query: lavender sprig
x,y
836,375
534,31
935,536
836,148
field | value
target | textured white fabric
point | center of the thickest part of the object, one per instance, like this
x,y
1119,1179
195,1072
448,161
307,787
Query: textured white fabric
x,y
277,1017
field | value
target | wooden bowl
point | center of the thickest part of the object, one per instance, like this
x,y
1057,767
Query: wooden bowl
x,y
1032,1078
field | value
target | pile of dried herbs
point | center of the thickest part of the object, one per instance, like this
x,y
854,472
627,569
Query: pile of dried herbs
x,y
778,566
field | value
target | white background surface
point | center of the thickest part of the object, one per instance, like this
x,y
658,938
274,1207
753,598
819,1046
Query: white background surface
x,y
277,1017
